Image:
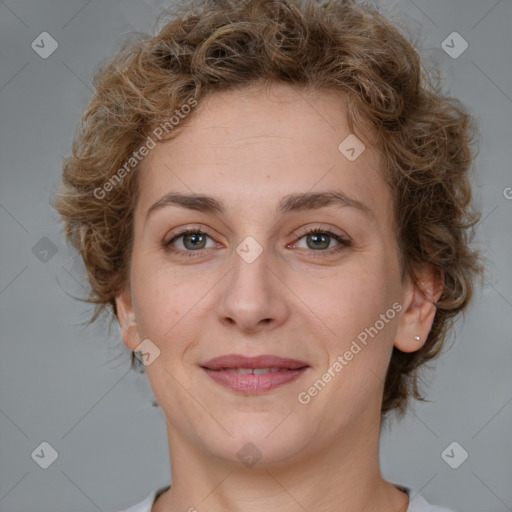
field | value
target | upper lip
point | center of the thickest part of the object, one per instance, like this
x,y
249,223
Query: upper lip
x,y
263,361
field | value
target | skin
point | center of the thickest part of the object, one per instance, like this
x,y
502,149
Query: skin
x,y
250,148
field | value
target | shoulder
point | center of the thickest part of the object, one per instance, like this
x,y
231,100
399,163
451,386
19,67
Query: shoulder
x,y
144,505
417,503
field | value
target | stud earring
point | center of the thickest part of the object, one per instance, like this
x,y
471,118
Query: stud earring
x,y
417,338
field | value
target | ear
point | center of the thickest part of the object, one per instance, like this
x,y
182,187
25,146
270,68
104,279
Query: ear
x,y
419,309
127,320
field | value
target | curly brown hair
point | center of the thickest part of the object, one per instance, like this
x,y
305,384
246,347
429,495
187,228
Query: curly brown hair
x,y
426,137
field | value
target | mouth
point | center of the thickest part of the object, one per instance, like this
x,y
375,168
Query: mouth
x,y
253,375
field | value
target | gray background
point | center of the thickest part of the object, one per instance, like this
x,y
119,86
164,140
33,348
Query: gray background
x,y
71,387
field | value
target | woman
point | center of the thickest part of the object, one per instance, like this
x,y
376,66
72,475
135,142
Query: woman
x,y
274,202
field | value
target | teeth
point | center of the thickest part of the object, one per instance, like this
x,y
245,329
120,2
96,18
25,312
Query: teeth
x,y
240,370
255,371
259,371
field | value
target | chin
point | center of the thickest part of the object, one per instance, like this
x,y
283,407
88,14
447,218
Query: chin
x,y
259,444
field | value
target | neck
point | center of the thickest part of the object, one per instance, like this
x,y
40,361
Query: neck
x,y
341,477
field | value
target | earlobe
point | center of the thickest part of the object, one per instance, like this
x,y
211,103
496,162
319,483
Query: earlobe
x,y
419,311
127,320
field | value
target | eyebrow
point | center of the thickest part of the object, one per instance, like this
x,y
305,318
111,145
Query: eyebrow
x,y
289,203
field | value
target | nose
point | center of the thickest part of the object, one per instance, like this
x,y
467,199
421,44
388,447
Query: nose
x,y
253,297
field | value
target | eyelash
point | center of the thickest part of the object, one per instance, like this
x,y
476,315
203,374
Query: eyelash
x,y
343,242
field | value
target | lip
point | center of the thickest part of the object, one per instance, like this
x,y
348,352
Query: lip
x,y
222,370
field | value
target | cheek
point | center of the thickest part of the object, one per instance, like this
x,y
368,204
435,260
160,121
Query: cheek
x,y
159,301
351,306
172,307
351,300
359,346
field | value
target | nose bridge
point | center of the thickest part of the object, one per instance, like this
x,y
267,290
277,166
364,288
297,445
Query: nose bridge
x,y
251,297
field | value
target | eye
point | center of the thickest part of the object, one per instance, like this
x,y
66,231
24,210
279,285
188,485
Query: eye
x,y
191,241
187,241
321,240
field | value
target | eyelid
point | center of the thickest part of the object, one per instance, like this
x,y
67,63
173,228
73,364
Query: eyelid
x,y
299,233
343,240
184,232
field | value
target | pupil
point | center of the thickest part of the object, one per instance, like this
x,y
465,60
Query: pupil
x,y
317,238
194,238
319,241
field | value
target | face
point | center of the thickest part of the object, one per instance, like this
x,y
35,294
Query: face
x,y
289,253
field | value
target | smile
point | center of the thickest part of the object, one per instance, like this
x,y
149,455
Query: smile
x,y
254,371
253,375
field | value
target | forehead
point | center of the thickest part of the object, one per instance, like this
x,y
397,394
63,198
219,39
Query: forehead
x,y
253,146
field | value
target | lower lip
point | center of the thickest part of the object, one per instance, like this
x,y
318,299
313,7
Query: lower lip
x,y
251,384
